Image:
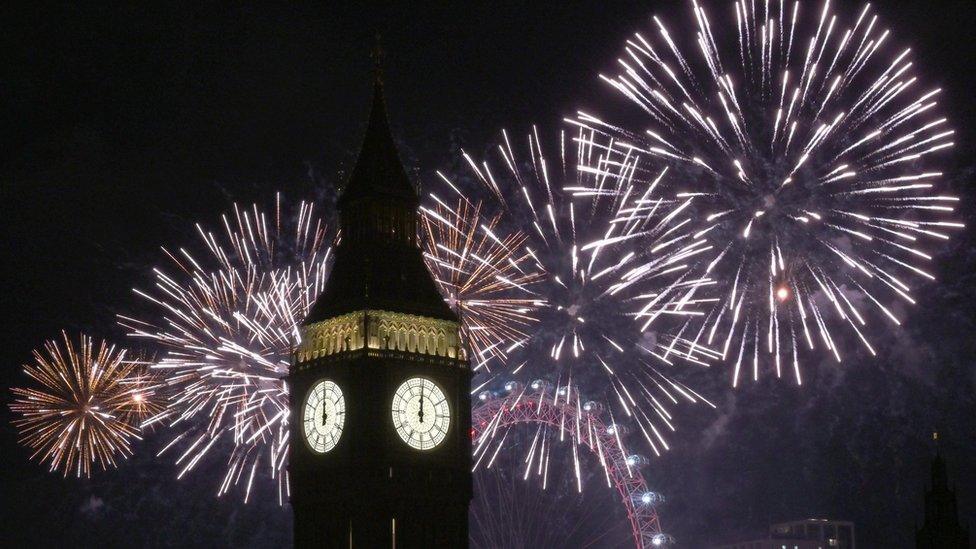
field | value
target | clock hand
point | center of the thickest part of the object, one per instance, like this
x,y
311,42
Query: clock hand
x,y
325,416
420,414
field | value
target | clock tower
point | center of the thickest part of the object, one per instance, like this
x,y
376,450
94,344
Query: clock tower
x,y
380,413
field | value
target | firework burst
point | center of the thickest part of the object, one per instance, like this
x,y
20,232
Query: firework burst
x,y
227,322
810,152
601,246
85,408
481,274
596,250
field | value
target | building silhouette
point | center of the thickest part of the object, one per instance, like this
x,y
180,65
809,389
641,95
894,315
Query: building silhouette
x,y
802,534
837,534
941,528
380,451
772,543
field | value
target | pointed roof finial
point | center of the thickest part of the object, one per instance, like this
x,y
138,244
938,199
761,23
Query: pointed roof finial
x,y
378,171
378,59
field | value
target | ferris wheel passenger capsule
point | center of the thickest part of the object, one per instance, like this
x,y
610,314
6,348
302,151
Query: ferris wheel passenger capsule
x,y
636,460
513,386
662,540
540,386
593,407
650,498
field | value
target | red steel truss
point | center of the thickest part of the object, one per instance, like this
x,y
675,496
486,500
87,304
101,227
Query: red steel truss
x,y
587,429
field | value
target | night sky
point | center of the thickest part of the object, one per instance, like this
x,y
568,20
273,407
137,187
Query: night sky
x,y
122,127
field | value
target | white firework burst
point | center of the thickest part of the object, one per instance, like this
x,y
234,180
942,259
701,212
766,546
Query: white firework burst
x,y
811,154
227,321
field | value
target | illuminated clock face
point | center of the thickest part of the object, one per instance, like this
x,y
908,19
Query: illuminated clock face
x,y
323,416
421,413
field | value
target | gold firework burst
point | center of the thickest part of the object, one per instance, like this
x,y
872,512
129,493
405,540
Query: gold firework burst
x,y
85,407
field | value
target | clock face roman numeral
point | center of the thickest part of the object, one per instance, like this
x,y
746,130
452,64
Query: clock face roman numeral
x,y
421,413
323,416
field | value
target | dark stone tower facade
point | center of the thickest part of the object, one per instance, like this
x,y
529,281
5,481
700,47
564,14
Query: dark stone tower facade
x,y
941,529
380,449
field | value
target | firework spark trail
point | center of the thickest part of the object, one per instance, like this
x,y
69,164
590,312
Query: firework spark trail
x,y
228,320
807,152
86,407
482,275
149,394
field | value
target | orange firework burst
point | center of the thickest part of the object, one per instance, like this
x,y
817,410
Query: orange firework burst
x,y
86,406
482,273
